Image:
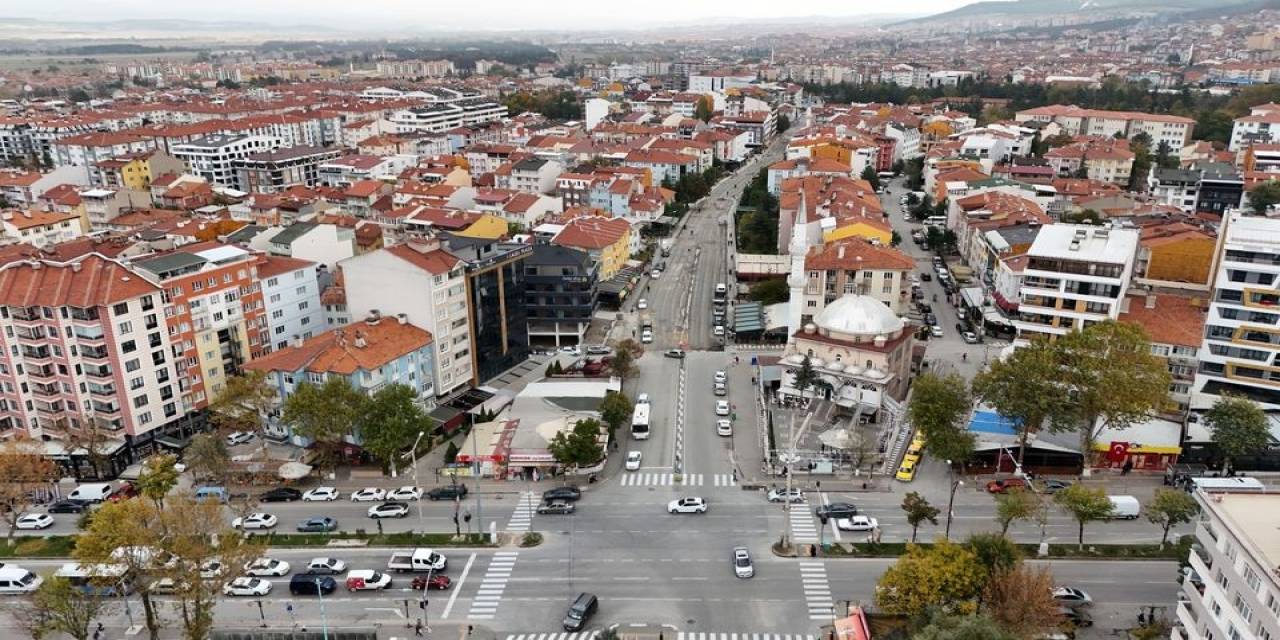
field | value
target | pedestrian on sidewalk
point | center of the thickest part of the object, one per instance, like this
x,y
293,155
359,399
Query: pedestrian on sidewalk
x,y
417,628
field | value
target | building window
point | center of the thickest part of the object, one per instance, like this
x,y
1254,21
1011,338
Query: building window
x,y
140,401
120,309
1245,611
125,327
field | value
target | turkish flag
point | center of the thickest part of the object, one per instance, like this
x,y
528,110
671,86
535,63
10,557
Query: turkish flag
x,y
1118,451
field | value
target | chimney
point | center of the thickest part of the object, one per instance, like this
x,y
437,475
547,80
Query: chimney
x,y
373,318
359,342
1151,300
75,267
402,318
296,341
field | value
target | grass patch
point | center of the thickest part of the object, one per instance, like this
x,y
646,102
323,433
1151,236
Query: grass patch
x,y
1174,550
45,547
374,540
531,539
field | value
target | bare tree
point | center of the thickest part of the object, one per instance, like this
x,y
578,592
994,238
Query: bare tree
x,y
25,471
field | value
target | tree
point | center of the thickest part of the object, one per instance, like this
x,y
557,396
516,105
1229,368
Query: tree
x,y
615,410
869,174
1113,378
770,292
26,472
1014,505
97,443
1020,600
391,421
1085,505
945,576
805,377
1238,428
58,607
1214,125
324,413
704,109
1264,196
630,346
918,510
915,173
1170,508
895,239
159,476
197,535
580,447
784,122
243,404
938,407
953,627
135,526
1026,387
995,552
623,365
207,456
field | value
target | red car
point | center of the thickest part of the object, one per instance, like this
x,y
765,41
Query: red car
x,y
1007,484
437,582
126,491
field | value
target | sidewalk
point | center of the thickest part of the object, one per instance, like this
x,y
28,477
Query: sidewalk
x,y
440,630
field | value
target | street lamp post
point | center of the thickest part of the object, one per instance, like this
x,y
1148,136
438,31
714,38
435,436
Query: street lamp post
x,y
324,619
421,526
955,484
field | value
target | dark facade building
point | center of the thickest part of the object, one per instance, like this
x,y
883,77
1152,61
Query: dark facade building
x,y
560,294
495,289
1221,188
273,171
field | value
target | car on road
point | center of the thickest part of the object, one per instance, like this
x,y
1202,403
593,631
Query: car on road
x,y
655,274
405,493
1071,597
325,567
633,460
646,337
367,580
690,504
448,492
724,428
255,521
1005,485
437,581
67,506
926,276
857,523
308,585
320,494
674,353
318,524
571,350
282,494
969,337
389,510
246,586
907,470
569,494
266,567
1053,485
369,494
556,508
598,350
794,494
935,331
34,521
742,566
718,331
836,510
721,376
722,407
239,437
720,389
642,304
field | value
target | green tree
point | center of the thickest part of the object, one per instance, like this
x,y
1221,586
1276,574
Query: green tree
x,y
945,576
580,447
623,365
243,403
996,553
1085,505
390,421
59,607
136,527
869,174
939,405
895,239
1170,508
1026,387
770,292
1013,506
805,377
615,411
1214,125
915,173
159,476
918,511
207,457
1264,196
196,534
704,109
325,414
961,627
784,122
1238,427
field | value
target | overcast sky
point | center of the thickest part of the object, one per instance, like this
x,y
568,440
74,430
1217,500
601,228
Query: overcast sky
x,y
499,14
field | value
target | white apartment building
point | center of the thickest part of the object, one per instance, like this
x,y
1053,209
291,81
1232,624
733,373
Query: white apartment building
x,y
214,157
39,227
1076,275
1236,595
907,141
711,82
1241,347
1262,125
445,116
291,299
429,286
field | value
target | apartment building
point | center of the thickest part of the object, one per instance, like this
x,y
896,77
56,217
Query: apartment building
x,y
429,286
560,294
1241,346
854,266
495,276
291,299
278,169
1261,126
1174,187
213,308
1175,325
39,227
214,157
1174,131
450,115
85,341
88,149
1076,275
1236,593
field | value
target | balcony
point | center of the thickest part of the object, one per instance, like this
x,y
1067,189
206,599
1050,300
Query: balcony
x,y
26,316
51,409
45,390
92,333
37,353
35,335
44,372
105,408
84,315
96,389
94,353
111,424
99,371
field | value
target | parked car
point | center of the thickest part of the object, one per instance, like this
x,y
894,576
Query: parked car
x,y
34,521
687,505
599,350
437,581
67,506
370,494
255,521
318,524
320,494
720,376
1071,597
239,437
722,407
325,567
642,304
571,350
125,491
935,331
282,494
907,470
246,586
720,389
266,567
568,494
742,566
1005,485
674,353
448,492
1053,485
724,428
389,510
836,510
786,495
925,275
405,494
857,523
969,337
556,508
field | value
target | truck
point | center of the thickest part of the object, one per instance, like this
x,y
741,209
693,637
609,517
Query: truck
x,y
419,560
1124,507
92,492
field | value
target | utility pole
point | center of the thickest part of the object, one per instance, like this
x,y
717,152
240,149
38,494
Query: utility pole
x,y
421,527
955,484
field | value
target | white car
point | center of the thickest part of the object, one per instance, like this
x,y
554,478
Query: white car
x,y
722,407
721,376
786,495
369,494
718,331
266,567
935,331
655,274
320,494
742,563
389,510
212,569
633,461
724,428
255,521
969,337
687,505
367,579
35,521
247,586
646,337
325,566
405,493
571,350
857,523
238,437
642,304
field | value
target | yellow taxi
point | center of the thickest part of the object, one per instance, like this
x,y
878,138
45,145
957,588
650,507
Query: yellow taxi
x,y
916,447
907,471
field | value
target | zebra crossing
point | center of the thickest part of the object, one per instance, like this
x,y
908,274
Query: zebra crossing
x,y
801,521
522,517
681,635
643,479
485,605
817,591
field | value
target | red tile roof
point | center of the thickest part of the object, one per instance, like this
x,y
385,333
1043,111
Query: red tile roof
x,y
93,281
434,261
592,232
336,351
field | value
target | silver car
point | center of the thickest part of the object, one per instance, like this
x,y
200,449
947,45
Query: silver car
x,y
742,566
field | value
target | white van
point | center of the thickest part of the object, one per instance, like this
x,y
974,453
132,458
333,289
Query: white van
x,y
92,492
936,221
16,580
1124,507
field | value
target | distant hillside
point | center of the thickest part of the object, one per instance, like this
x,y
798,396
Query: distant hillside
x,y
995,10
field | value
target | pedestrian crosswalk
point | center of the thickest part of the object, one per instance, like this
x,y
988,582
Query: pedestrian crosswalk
x,y
522,517
679,635
643,479
801,522
485,605
817,590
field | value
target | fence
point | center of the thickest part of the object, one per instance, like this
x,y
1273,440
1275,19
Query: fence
x,y
294,634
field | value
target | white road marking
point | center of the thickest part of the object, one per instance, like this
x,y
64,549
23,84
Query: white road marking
x,y
457,587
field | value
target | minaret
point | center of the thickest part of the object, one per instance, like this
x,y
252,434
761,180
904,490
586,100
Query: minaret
x,y
795,282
